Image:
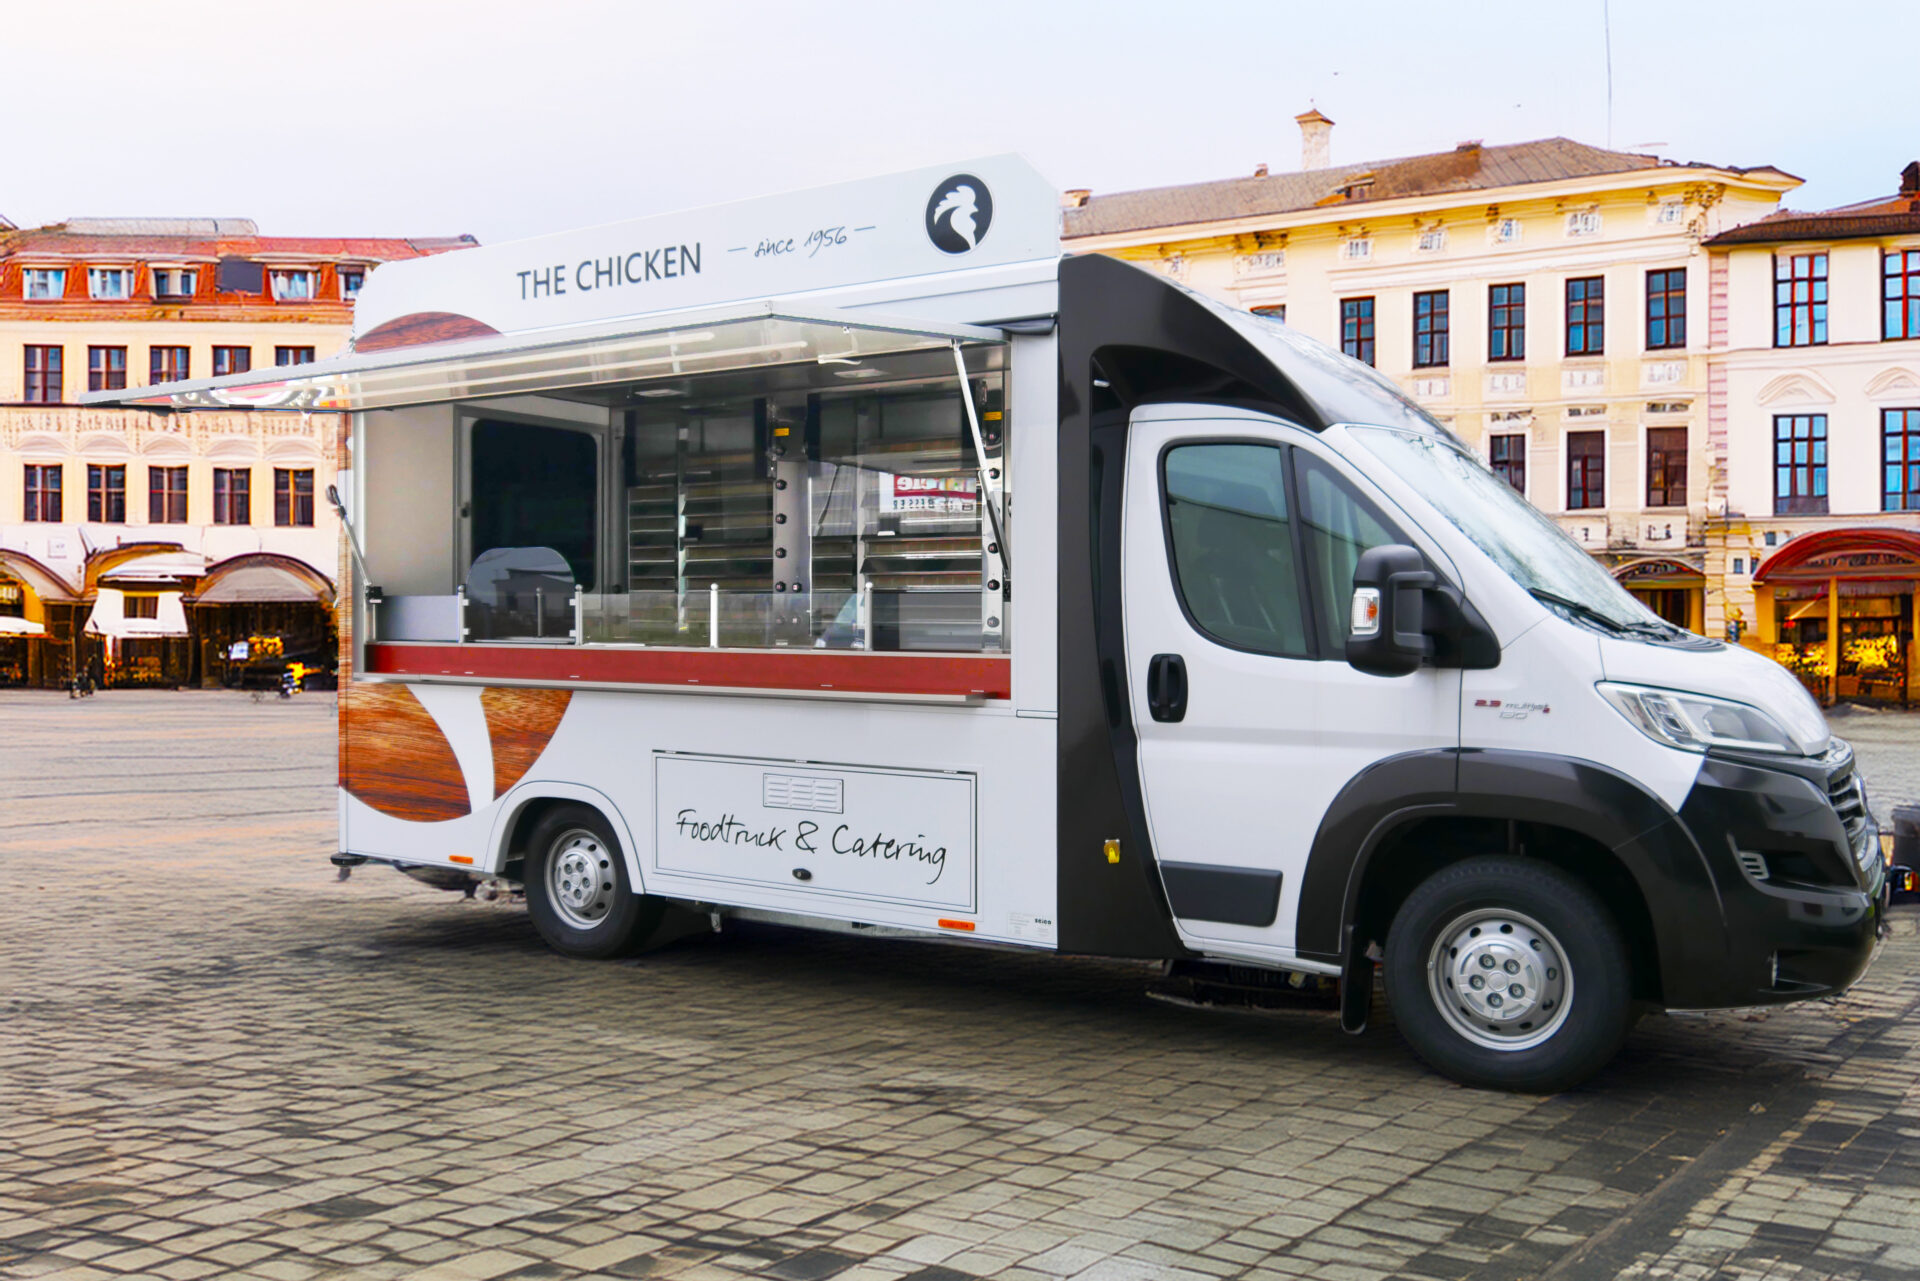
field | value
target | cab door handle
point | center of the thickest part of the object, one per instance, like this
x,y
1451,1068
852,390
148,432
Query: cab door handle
x,y
1167,687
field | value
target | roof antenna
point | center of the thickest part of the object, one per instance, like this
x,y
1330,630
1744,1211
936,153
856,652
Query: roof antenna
x,y
1606,26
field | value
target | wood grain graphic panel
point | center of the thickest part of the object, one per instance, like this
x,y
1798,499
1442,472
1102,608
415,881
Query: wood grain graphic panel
x,y
520,722
394,757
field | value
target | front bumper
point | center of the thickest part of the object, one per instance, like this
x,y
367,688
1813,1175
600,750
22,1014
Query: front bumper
x,y
1796,862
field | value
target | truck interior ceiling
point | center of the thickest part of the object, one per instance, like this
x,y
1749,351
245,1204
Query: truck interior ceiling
x,y
834,502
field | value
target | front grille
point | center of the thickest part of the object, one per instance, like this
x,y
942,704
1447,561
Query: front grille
x,y
1848,796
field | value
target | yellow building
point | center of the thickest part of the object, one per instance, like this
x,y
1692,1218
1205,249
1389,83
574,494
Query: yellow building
x,y
168,549
1546,299
1814,548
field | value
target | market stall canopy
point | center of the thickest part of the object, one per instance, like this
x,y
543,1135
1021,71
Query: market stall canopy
x,y
10,626
109,617
1874,552
261,578
167,568
708,340
46,583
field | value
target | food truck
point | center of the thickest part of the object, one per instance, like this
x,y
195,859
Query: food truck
x,y
854,559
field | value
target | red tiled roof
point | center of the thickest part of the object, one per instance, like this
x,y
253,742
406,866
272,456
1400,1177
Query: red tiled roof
x,y
1896,215
1470,167
59,241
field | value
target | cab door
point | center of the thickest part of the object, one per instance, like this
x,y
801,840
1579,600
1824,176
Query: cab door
x,y
1239,542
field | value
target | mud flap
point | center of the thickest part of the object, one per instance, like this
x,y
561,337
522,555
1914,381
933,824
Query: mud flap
x,y
1356,984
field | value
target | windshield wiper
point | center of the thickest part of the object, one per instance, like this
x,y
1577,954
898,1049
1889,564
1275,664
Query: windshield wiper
x,y
1592,615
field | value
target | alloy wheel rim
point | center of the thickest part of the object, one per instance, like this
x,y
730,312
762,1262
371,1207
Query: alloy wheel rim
x,y
580,880
1500,979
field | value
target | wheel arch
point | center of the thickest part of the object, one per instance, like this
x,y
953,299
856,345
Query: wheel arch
x,y
1406,817
523,807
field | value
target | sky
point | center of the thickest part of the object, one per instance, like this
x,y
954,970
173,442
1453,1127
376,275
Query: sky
x,y
426,117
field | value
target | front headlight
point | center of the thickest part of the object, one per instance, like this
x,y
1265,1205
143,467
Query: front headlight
x,y
1695,722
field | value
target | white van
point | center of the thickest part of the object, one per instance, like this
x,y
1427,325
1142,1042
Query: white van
x,y
852,559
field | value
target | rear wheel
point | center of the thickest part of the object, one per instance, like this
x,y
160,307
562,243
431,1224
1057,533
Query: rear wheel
x,y
1510,974
577,889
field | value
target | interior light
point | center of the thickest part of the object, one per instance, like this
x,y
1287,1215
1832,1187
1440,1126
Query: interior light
x,y
856,373
655,393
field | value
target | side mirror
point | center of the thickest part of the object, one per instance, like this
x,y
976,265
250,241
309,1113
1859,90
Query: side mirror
x,y
1388,626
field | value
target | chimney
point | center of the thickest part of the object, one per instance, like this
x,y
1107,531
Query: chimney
x,y
1316,139
1075,197
1910,179
1259,171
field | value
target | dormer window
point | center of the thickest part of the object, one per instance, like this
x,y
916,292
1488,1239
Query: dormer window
x,y
109,282
43,282
293,284
351,278
174,282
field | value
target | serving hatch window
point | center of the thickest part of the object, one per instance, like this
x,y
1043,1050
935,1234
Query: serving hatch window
x,y
813,515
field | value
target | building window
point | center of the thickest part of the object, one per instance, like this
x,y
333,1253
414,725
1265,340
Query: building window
x,y
1799,300
1666,309
166,364
106,368
43,375
1666,466
1799,464
1507,231
292,286
1671,213
109,282
1356,328
1357,250
293,355
1584,222
293,496
351,278
232,360
1900,445
167,495
1430,329
1432,241
107,493
144,606
43,283
1586,469
1586,316
43,491
174,282
1506,322
1507,454
1900,269
1739,564
232,497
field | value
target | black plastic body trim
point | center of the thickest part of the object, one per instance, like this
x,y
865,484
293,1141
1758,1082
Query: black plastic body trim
x,y
1147,341
1233,895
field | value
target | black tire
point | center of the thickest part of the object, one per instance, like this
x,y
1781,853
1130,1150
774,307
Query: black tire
x,y
1502,911
613,923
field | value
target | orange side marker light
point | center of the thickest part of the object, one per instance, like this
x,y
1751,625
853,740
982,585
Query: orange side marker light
x,y
458,858
945,924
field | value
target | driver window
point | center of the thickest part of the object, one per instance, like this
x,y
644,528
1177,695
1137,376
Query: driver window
x,y
1232,548
1336,525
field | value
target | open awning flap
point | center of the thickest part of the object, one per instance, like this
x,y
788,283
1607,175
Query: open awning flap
x,y
261,585
11,626
160,567
671,345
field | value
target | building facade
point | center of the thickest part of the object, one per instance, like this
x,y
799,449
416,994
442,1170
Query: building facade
x,y
1548,300
155,547
1814,540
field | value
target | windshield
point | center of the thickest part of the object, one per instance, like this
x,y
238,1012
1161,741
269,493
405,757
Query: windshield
x,y
1533,550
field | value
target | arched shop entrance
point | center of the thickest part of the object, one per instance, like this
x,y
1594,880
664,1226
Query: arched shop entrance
x,y
1670,588
258,615
1838,609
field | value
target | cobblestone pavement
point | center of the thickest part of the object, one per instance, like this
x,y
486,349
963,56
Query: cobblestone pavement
x,y
217,1060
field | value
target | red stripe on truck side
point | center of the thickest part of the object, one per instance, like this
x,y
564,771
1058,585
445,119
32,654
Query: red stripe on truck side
x,y
740,669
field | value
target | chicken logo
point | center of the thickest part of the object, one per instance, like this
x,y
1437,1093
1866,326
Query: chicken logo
x,y
959,213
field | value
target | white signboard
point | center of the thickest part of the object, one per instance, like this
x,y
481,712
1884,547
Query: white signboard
x,y
989,212
889,835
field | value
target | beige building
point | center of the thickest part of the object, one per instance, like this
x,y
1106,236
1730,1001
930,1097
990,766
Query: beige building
x,y
1814,547
167,548
1549,300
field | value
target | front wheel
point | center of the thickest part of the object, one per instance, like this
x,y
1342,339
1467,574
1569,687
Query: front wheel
x,y
577,889
1510,974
